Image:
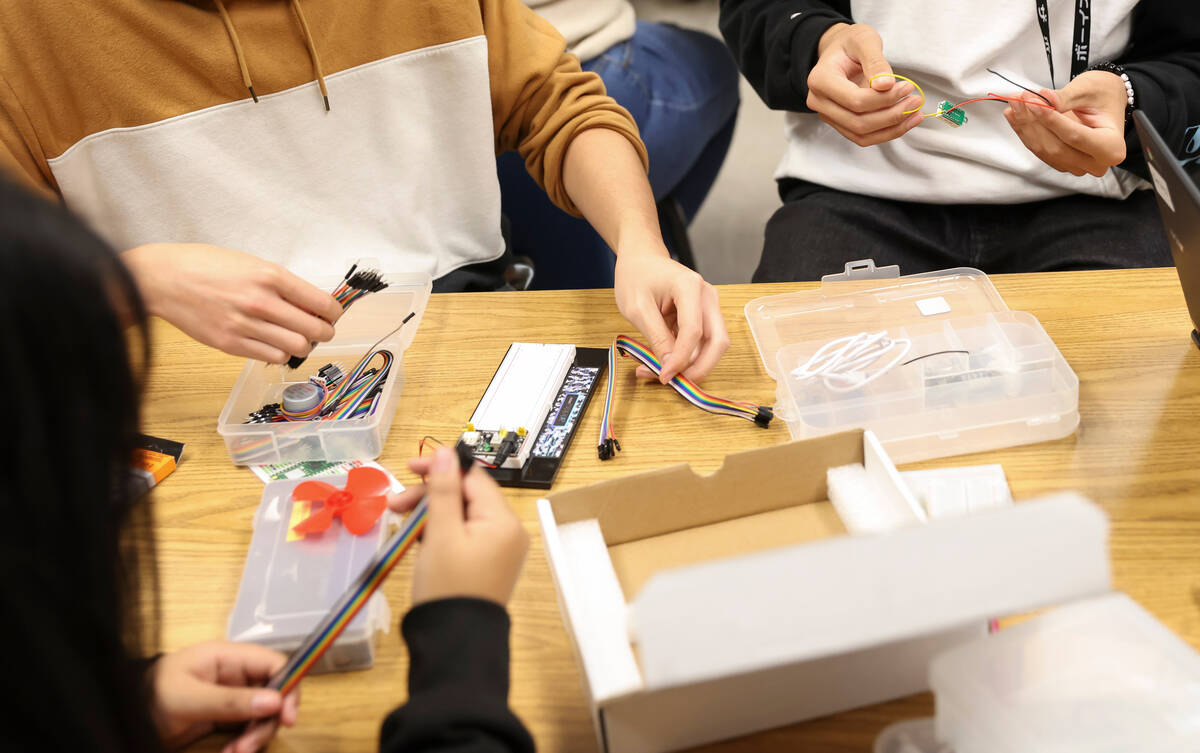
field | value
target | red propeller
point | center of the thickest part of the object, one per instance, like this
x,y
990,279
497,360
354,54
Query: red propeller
x,y
359,504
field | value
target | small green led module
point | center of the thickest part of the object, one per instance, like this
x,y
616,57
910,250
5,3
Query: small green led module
x,y
955,118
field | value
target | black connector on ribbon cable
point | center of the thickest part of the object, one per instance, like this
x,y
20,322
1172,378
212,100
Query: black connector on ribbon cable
x,y
608,449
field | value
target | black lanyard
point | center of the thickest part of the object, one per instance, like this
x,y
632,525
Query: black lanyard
x,y
1081,38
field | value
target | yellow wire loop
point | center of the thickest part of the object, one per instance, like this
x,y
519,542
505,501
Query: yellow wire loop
x,y
915,86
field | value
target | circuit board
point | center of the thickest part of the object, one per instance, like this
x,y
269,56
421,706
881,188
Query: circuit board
x,y
485,444
553,438
955,116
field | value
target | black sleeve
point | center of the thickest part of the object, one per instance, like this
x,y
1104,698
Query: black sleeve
x,y
457,682
775,44
1163,63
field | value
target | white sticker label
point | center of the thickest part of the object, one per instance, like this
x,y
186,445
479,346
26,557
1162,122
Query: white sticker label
x,y
1160,186
933,306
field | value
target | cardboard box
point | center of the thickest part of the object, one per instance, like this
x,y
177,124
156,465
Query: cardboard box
x,y
703,608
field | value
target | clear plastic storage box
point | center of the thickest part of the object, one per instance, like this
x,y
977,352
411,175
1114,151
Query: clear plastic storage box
x,y
363,324
290,581
976,376
1097,676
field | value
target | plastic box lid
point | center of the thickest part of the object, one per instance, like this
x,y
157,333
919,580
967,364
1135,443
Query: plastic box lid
x,y
290,581
362,326
1097,676
977,376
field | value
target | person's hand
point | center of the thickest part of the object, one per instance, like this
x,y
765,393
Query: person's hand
x,y
841,90
474,545
200,687
675,309
233,301
1085,132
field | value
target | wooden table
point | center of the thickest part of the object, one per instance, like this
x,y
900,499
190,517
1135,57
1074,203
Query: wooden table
x,y
1137,453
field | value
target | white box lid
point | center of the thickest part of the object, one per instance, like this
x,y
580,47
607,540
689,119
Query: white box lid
x,y
839,595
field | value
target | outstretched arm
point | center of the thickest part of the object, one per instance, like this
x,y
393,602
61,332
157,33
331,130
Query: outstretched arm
x,y
672,305
584,150
1087,131
457,633
1163,63
775,44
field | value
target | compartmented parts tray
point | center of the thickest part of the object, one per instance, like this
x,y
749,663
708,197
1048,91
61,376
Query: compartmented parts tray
x,y
974,376
290,581
361,327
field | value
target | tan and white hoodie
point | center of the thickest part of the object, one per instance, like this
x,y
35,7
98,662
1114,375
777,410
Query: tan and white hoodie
x,y
139,114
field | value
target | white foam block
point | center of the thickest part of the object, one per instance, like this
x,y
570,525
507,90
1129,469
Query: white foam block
x,y
946,492
863,504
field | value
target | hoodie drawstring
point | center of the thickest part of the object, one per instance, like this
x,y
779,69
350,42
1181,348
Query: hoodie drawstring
x,y
312,51
241,56
237,47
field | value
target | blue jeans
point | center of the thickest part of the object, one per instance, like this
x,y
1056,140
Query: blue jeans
x,y
681,87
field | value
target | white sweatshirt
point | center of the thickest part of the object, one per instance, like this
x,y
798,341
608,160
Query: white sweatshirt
x,y
983,161
589,26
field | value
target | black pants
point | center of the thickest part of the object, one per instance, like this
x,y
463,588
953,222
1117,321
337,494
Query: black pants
x,y
819,229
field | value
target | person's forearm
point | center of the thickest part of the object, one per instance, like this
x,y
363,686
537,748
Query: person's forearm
x,y
1163,64
1167,91
457,682
604,177
775,44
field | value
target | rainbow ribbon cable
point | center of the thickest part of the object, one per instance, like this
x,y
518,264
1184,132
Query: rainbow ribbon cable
x,y
344,609
356,387
317,642
627,346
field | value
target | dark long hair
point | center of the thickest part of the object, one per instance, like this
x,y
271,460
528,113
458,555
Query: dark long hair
x,y
77,576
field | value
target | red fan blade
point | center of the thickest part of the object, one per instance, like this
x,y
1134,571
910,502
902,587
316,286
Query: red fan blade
x,y
367,482
362,514
313,491
315,523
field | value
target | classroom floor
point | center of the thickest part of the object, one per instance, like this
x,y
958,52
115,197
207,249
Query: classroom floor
x,y
727,232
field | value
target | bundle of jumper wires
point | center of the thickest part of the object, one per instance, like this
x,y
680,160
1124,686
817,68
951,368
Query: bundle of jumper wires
x,y
354,285
627,346
342,397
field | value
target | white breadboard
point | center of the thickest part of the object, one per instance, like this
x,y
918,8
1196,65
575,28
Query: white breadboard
x,y
521,394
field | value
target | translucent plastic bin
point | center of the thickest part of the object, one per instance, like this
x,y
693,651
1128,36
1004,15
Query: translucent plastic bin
x,y
977,376
1098,676
290,581
369,319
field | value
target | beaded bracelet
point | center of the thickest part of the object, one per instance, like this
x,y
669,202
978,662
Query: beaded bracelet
x,y
1118,70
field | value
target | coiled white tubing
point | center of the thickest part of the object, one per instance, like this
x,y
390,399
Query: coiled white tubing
x,y
843,362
